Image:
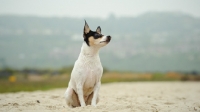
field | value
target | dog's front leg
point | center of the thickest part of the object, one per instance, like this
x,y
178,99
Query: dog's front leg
x,y
95,95
80,94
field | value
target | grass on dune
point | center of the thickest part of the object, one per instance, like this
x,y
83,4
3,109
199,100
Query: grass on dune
x,y
33,84
46,82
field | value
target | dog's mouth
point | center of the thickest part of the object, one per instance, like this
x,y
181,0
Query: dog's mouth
x,y
103,41
106,41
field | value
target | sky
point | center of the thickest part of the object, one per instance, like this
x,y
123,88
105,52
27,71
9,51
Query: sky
x,y
97,8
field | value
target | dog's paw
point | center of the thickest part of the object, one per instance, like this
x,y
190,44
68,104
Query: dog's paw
x,y
93,104
83,105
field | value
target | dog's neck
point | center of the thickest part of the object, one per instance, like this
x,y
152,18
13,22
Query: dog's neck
x,y
89,51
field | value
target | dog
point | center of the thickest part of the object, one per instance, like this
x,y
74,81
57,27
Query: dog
x,y
85,81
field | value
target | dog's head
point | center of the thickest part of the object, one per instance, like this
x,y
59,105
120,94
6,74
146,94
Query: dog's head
x,y
95,38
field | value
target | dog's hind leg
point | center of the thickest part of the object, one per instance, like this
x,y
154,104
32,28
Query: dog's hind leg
x,y
89,100
71,98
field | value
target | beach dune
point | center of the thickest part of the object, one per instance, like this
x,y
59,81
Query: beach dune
x,y
114,97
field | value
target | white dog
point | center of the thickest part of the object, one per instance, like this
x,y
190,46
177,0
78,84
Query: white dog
x,y
85,82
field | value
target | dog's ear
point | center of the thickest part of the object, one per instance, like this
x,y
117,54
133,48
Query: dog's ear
x,y
86,28
98,30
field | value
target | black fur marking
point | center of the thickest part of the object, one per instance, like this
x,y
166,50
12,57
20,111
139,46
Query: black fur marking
x,y
93,34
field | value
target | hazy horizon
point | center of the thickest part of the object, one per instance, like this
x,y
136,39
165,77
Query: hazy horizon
x,y
97,9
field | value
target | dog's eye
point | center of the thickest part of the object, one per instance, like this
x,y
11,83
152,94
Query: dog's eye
x,y
97,35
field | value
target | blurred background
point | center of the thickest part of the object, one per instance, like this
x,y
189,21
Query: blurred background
x,y
151,40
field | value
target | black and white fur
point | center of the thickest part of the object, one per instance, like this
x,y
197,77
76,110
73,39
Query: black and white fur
x,y
85,82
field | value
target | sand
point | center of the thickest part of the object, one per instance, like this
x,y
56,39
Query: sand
x,y
114,97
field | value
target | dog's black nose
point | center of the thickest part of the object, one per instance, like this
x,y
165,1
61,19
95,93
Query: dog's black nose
x,y
108,38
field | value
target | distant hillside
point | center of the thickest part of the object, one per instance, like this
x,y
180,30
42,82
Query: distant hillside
x,y
150,22
150,42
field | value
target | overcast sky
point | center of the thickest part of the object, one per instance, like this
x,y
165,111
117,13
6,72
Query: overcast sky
x,y
97,8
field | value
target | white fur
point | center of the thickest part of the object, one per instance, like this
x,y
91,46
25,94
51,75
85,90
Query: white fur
x,y
85,77
103,39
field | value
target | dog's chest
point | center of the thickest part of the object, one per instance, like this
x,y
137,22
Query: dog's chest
x,y
92,74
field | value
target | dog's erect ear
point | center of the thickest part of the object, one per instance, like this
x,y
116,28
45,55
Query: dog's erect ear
x,y
98,30
86,28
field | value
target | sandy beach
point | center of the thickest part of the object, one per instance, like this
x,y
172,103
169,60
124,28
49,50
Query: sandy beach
x,y
114,97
